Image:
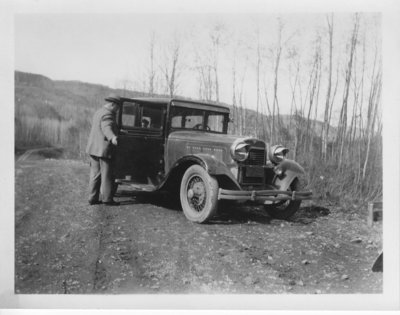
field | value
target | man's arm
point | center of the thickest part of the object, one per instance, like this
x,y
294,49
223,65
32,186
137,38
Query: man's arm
x,y
107,123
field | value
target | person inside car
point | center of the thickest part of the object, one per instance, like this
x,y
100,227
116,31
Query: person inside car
x,y
145,123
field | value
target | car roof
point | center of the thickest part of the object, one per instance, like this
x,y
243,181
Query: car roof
x,y
177,102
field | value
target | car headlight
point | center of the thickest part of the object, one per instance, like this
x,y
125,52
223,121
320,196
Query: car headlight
x,y
277,153
239,151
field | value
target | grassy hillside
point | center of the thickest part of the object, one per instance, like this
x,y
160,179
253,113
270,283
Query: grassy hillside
x,y
49,112
56,113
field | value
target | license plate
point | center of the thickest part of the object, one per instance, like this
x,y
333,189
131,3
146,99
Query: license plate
x,y
254,172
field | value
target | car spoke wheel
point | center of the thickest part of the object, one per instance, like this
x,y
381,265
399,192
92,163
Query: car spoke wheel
x,y
199,194
284,209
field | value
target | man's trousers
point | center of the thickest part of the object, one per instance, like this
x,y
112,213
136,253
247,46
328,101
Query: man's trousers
x,y
101,179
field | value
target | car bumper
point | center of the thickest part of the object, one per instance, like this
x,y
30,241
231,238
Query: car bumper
x,y
263,195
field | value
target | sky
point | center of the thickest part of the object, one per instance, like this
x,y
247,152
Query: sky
x,y
112,49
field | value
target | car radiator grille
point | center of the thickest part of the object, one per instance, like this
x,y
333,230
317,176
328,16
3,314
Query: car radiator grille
x,y
256,157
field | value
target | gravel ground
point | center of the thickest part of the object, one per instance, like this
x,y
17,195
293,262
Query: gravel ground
x,y
145,245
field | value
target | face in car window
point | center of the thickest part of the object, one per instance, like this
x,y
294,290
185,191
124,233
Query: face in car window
x,y
145,122
136,115
151,117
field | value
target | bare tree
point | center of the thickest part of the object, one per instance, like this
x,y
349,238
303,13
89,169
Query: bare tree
x,y
358,100
293,56
207,64
360,120
325,126
234,100
205,80
258,69
243,112
171,66
216,35
313,86
318,75
342,129
373,104
332,100
275,104
152,72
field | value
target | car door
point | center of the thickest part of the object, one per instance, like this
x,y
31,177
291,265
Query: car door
x,y
140,150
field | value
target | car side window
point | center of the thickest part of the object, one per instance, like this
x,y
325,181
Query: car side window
x,y
136,115
215,122
187,118
152,117
129,114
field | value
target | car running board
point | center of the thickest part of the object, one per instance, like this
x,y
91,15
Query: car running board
x,y
136,186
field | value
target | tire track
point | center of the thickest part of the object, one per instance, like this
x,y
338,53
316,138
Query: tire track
x,y
100,274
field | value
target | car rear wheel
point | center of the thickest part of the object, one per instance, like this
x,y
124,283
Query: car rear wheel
x,y
283,210
199,194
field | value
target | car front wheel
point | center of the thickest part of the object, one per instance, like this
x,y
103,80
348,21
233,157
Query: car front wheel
x,y
199,194
283,210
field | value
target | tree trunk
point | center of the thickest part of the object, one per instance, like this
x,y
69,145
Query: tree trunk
x,y
171,74
342,130
275,104
152,73
325,126
258,79
234,104
372,114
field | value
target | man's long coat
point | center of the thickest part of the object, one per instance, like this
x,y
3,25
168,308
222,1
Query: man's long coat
x,y
104,128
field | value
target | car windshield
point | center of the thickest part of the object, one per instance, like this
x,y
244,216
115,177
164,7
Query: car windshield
x,y
197,119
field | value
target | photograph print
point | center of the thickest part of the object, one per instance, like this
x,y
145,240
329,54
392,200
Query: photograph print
x,y
198,153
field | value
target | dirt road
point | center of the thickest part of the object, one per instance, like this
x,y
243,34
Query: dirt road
x,y
63,245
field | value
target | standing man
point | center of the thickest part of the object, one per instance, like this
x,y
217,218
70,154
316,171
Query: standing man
x,y
101,148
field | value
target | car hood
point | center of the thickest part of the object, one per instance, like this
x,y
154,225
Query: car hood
x,y
185,143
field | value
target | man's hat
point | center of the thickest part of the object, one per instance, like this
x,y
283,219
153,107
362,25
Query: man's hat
x,y
113,98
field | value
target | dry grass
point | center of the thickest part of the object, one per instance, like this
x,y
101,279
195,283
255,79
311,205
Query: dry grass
x,y
34,131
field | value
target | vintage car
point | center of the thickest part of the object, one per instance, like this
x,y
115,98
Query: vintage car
x,y
183,147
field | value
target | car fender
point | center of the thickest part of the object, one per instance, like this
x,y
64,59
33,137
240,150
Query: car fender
x,y
211,164
290,171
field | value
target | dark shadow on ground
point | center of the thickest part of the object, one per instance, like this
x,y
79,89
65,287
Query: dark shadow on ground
x,y
307,215
159,199
244,213
234,213
228,212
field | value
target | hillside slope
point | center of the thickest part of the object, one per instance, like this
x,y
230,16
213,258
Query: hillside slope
x,y
51,112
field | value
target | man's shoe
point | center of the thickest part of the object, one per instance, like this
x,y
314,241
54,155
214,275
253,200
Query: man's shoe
x,y
111,203
94,202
